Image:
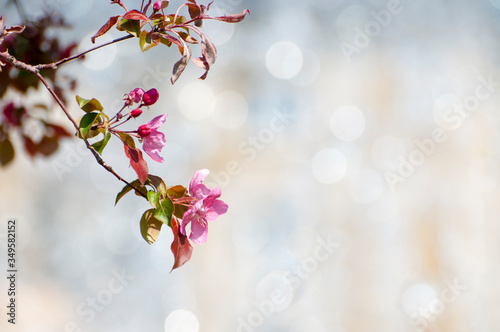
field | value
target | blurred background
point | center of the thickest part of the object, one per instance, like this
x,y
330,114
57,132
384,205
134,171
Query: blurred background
x,y
356,143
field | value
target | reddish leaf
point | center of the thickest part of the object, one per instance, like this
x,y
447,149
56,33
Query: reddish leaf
x,y
209,54
67,51
135,15
181,248
194,10
58,130
234,18
105,28
172,39
181,64
48,145
137,162
30,146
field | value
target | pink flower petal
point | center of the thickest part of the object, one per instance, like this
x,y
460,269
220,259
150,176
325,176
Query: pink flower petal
x,y
186,219
196,188
199,232
153,144
158,121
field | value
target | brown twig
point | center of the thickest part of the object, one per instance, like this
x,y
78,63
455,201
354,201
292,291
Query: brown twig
x,y
35,71
60,62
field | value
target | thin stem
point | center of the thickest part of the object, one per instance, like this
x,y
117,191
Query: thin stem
x,y
57,63
98,158
35,71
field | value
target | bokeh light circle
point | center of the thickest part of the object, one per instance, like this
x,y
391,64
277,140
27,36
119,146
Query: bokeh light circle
x,y
347,123
329,166
195,99
181,321
284,60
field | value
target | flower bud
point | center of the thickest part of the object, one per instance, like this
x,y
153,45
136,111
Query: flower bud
x,y
135,113
136,94
150,97
144,131
157,6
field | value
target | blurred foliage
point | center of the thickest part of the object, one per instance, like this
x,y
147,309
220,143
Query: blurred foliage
x,y
32,46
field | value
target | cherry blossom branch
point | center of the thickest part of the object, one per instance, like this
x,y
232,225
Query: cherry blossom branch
x,y
57,63
35,71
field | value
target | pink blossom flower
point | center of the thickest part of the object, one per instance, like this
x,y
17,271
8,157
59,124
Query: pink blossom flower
x,y
153,140
205,209
150,97
157,6
136,94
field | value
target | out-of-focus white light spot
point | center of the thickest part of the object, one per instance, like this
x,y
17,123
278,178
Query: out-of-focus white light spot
x,y
195,100
284,60
98,59
329,166
347,123
276,289
250,234
483,175
366,186
385,152
445,112
181,321
417,297
495,3
310,70
230,110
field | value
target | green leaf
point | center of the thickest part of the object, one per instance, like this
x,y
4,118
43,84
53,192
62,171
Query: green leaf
x,y
154,198
99,146
89,105
127,189
86,123
150,226
158,183
128,139
148,40
164,211
176,191
6,152
131,26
